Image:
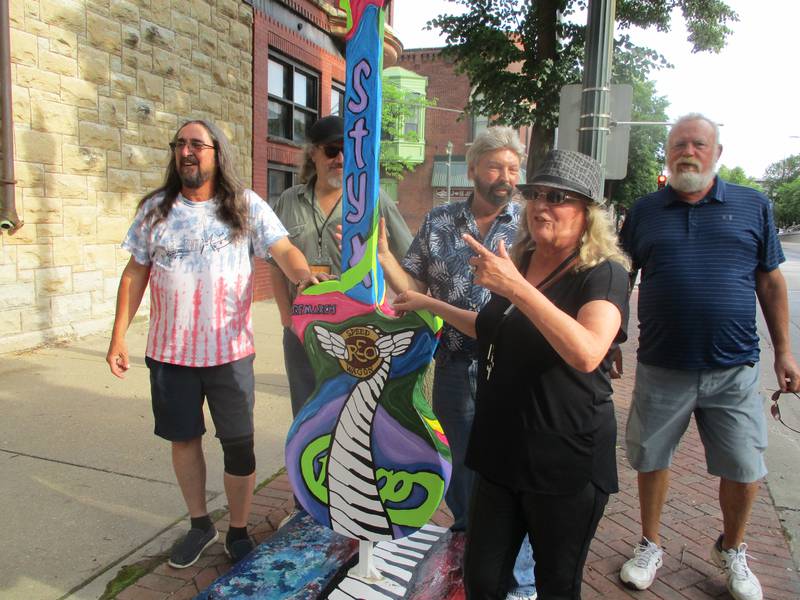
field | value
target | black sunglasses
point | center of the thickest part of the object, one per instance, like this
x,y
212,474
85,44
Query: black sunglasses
x,y
332,150
775,410
551,196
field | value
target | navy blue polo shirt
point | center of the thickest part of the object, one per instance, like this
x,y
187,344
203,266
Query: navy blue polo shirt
x,y
697,301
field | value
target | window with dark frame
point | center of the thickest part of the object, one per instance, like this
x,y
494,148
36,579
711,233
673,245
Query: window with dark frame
x,y
479,122
279,179
293,103
337,100
387,9
414,117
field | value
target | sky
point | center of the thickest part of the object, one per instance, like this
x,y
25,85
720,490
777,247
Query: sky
x,y
751,87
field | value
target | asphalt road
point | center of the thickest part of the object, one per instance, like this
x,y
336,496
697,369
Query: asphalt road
x,y
783,454
791,270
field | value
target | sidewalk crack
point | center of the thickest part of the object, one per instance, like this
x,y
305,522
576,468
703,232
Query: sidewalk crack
x,y
15,453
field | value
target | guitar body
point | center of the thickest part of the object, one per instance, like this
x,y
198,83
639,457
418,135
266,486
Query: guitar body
x,y
365,456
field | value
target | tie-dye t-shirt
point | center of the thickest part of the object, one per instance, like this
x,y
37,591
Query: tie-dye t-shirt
x,y
201,281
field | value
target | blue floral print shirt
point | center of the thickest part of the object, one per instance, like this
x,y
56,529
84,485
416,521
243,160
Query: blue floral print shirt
x,y
438,257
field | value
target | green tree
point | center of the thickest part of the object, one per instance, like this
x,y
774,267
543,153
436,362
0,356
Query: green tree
x,y
519,53
739,177
398,107
646,149
780,173
787,203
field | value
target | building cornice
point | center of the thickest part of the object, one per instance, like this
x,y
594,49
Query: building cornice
x,y
333,20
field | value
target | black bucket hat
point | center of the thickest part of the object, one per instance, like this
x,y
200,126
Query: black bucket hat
x,y
568,170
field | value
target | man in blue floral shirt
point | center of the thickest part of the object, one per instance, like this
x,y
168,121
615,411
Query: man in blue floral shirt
x,y
437,263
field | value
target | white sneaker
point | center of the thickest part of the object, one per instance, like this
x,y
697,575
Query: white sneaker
x,y
512,596
742,583
640,571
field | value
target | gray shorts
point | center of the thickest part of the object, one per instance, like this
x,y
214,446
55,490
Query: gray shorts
x,y
728,409
178,393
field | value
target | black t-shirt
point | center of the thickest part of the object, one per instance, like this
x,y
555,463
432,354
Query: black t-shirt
x,y
541,425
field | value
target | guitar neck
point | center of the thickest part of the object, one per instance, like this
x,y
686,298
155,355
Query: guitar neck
x,y
361,272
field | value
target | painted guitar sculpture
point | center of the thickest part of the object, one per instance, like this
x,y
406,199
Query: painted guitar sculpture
x,y
366,455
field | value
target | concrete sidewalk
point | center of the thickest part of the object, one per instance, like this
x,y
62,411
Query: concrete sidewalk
x,y
79,447
87,487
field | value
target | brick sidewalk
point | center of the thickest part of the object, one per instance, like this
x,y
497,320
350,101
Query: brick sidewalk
x,y
691,523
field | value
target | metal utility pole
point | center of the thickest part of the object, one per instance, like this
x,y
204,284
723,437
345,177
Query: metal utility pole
x,y
449,157
595,115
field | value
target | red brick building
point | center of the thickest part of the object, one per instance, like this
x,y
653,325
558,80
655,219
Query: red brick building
x,y
298,77
426,186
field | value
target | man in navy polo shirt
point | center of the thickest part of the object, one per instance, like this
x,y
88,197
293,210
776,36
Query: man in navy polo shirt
x,y
707,249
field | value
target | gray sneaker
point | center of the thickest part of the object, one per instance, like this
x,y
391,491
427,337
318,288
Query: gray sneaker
x,y
188,550
640,571
237,550
742,583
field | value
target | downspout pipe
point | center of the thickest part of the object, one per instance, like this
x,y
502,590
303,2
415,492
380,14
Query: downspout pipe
x,y
8,210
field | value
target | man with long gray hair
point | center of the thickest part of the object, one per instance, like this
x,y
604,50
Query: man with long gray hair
x,y
437,262
707,250
194,240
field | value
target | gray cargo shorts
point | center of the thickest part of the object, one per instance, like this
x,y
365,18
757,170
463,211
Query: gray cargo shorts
x,y
728,409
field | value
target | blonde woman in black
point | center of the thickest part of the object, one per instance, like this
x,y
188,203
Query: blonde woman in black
x,y
543,439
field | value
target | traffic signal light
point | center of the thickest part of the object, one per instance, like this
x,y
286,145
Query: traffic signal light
x,y
662,181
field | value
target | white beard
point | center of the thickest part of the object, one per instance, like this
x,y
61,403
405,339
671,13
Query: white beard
x,y
690,182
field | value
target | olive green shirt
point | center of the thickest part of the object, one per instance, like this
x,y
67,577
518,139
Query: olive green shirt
x,y
295,210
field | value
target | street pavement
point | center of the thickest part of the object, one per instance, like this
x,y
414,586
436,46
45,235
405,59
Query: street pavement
x,y
88,489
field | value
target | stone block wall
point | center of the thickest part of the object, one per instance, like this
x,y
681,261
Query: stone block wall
x,y
99,88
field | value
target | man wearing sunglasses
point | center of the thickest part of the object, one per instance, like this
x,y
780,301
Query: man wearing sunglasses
x,y
311,212
707,249
193,241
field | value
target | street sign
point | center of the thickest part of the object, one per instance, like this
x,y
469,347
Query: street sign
x,y
619,135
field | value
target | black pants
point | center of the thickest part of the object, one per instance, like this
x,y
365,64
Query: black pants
x,y
560,528
298,370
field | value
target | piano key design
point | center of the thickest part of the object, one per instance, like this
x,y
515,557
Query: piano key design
x,y
397,561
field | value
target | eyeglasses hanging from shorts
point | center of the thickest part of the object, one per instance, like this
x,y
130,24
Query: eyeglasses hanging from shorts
x,y
775,410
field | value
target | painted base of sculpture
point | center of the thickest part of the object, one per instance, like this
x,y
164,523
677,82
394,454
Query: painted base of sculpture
x,y
305,560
